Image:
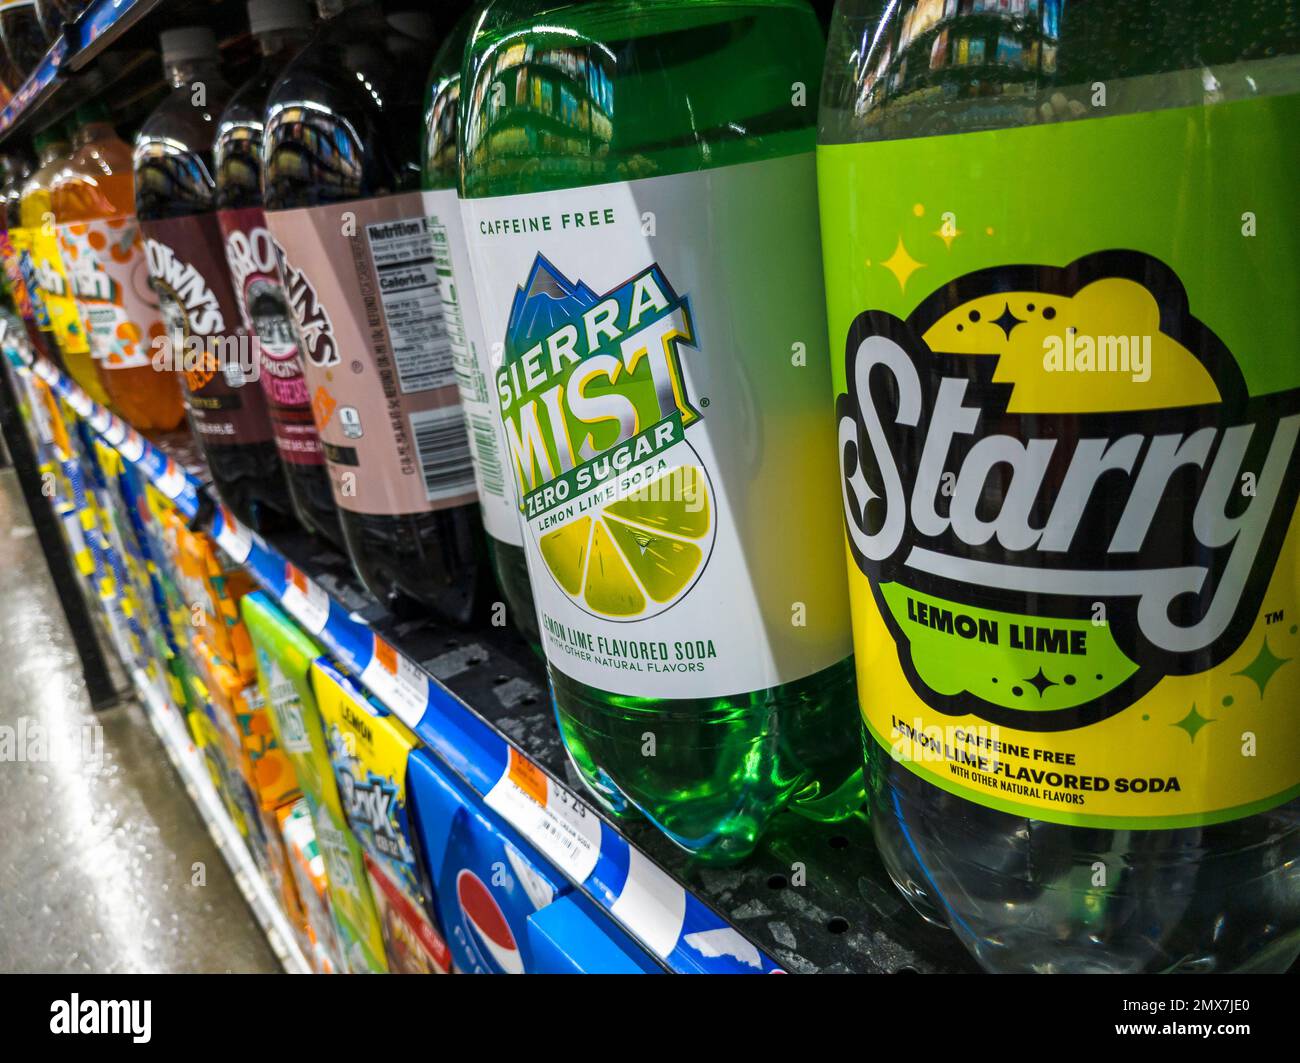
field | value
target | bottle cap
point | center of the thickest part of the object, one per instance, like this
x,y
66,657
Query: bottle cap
x,y
267,16
188,42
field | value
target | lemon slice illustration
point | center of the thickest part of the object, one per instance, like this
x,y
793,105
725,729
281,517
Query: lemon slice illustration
x,y
638,555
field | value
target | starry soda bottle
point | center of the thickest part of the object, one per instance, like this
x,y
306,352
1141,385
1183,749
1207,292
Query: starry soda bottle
x,y
473,354
175,197
1068,403
93,198
46,270
341,177
653,278
281,28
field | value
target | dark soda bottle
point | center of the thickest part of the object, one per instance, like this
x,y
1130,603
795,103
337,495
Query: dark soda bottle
x,y
281,28
54,13
24,40
474,370
341,183
175,198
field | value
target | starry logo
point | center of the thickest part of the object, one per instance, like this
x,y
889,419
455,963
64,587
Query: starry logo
x,y
1045,547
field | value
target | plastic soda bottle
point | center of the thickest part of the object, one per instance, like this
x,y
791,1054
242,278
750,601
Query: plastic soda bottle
x,y
1068,401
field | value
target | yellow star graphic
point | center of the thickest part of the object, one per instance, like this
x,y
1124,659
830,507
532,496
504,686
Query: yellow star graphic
x,y
902,265
947,233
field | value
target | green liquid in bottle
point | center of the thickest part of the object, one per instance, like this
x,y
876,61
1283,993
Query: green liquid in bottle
x,y
707,98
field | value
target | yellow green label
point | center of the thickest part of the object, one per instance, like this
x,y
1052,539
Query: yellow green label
x,y
1068,404
56,292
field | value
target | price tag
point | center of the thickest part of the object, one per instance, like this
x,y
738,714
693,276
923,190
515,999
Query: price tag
x,y
234,538
115,432
561,826
397,682
132,447
307,602
171,482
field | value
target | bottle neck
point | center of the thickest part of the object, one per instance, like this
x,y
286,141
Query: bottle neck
x,y
184,72
282,44
91,131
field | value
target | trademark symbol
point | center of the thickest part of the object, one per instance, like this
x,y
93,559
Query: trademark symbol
x,y
356,366
1274,617
704,402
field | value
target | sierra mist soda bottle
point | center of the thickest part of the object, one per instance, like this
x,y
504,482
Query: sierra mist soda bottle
x,y
1068,402
639,199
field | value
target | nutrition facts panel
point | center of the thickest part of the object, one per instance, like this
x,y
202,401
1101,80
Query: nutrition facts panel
x,y
407,274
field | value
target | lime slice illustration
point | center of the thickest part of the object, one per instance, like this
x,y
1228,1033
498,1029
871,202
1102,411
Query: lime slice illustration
x,y
636,555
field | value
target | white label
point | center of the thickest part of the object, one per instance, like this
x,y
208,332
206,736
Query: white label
x,y
307,602
172,481
408,289
115,433
663,398
396,682
442,446
132,447
565,830
235,539
474,370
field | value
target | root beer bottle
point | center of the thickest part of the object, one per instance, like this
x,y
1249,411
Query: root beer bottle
x,y
281,28
341,180
176,203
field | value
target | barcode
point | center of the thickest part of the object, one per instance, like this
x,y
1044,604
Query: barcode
x,y
487,452
443,447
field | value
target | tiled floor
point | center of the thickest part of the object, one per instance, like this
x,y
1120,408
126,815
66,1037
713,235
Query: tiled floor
x,y
104,863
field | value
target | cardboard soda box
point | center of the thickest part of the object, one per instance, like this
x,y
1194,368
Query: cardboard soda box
x,y
284,656
369,750
487,880
572,935
307,868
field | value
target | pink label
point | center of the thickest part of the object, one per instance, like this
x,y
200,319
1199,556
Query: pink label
x,y
252,254
361,282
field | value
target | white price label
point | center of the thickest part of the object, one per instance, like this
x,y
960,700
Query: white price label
x,y
561,826
132,447
397,682
115,432
172,481
100,419
234,538
305,601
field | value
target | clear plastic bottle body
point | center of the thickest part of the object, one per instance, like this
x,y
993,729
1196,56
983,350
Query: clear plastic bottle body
x,y
37,216
96,187
645,90
1025,894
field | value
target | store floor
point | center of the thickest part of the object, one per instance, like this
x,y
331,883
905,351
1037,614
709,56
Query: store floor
x,y
105,866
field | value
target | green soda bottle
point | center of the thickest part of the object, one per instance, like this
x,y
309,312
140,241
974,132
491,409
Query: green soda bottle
x,y
474,368
1068,393
638,194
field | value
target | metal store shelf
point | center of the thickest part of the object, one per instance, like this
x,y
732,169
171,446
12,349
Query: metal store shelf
x,y
814,898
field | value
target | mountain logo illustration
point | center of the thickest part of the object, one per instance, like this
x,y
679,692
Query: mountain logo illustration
x,y
1051,520
596,411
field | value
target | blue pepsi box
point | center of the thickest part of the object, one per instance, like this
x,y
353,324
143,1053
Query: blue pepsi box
x,y
487,881
572,935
